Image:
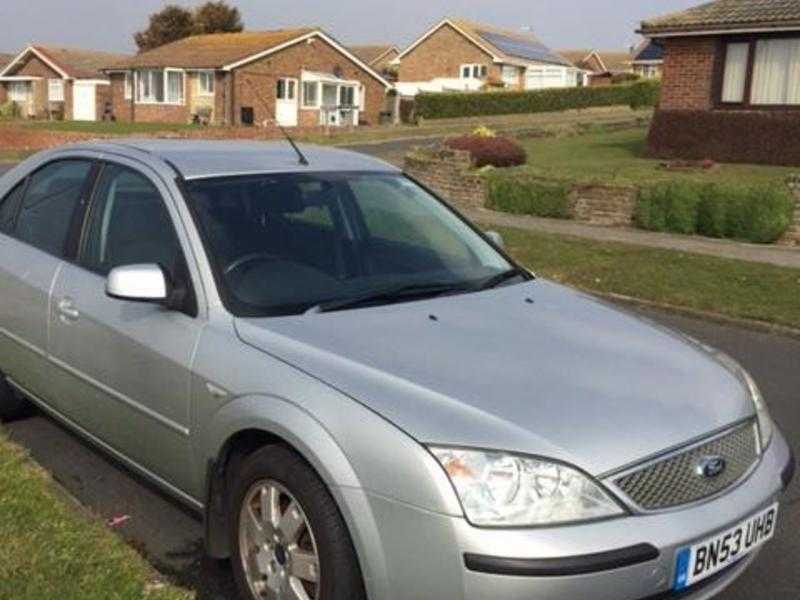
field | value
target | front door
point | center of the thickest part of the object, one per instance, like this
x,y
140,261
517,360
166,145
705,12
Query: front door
x,y
286,105
84,102
126,365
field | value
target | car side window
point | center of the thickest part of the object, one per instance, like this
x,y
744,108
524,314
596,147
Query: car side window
x,y
128,224
8,208
52,195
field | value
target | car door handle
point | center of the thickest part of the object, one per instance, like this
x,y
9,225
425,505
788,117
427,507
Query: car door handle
x,y
67,311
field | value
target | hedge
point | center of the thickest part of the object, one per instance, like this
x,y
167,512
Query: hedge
x,y
757,214
477,104
526,196
490,151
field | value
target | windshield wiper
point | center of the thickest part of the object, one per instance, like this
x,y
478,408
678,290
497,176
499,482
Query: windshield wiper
x,y
390,295
500,278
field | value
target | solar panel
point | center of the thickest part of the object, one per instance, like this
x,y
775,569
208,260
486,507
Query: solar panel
x,y
527,49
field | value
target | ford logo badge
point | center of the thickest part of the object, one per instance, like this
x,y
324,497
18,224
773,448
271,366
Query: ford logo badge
x,y
711,467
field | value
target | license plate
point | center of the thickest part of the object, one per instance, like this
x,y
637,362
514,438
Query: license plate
x,y
704,559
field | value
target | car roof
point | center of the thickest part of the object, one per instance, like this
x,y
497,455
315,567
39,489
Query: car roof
x,y
201,159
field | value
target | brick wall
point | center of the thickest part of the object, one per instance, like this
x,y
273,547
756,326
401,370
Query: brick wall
x,y
688,73
603,205
448,173
441,55
255,83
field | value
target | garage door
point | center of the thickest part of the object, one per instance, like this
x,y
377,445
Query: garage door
x,y
84,102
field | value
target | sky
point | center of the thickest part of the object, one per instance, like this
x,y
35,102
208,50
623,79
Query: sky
x,y
110,24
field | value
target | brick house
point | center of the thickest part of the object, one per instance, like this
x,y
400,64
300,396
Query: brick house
x,y
459,55
599,66
48,82
730,82
379,57
648,59
298,77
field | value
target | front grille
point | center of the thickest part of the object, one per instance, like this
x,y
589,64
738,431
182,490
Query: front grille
x,y
675,480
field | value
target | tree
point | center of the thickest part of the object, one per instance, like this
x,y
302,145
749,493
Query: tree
x,y
170,24
217,17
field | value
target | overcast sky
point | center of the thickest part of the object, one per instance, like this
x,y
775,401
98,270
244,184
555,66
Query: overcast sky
x,y
109,24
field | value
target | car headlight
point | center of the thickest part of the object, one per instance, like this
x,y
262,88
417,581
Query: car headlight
x,y
765,425
504,490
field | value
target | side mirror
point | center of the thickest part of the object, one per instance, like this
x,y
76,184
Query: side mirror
x,y
496,238
138,283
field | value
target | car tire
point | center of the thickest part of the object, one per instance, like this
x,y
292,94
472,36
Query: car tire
x,y
309,549
12,406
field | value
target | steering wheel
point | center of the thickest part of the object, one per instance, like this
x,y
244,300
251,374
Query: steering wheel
x,y
248,258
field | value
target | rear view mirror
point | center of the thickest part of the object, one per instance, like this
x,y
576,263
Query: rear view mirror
x,y
138,283
496,238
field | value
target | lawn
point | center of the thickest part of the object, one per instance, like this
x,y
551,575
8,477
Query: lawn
x,y
51,550
727,287
617,157
110,128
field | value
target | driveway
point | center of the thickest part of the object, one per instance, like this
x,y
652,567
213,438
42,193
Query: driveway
x,y
171,537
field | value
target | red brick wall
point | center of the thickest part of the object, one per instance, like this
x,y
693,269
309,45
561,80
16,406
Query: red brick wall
x,y
688,73
103,95
147,113
255,83
441,55
32,66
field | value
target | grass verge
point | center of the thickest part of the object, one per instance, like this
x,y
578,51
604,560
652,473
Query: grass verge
x,y
732,288
50,550
617,157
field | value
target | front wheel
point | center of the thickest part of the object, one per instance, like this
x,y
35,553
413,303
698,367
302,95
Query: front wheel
x,y
289,540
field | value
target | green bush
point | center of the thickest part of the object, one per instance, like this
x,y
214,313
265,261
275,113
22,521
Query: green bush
x,y
757,214
476,104
526,196
9,110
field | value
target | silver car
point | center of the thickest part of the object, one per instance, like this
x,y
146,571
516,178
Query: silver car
x,y
363,395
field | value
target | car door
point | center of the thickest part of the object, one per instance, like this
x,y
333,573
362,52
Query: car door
x,y
37,219
126,365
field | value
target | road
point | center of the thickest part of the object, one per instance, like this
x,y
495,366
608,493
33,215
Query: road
x,y
171,537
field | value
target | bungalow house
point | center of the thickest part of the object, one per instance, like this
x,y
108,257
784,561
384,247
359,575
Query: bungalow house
x,y
648,59
379,57
599,66
48,82
730,83
298,77
459,55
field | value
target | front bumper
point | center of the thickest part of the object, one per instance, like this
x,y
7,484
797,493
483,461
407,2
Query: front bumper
x,y
424,555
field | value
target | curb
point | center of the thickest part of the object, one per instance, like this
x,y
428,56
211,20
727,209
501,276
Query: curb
x,y
752,324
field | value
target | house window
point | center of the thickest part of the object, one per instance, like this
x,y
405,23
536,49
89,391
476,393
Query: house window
x,y
286,89
205,83
735,75
776,72
347,96
55,90
128,85
311,94
474,71
150,88
19,91
174,87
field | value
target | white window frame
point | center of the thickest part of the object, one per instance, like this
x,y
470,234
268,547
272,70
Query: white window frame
x,y
474,71
318,95
148,77
128,85
20,91
510,75
290,84
205,83
55,90
348,89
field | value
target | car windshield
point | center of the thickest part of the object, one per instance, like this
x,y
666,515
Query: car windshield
x,y
289,243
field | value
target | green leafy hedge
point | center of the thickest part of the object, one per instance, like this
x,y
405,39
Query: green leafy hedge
x,y
477,104
757,214
527,196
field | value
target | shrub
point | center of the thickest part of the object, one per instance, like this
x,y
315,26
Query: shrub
x,y
522,195
757,214
476,104
9,110
490,151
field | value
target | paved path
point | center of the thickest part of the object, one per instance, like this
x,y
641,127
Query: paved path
x,y
776,255
171,537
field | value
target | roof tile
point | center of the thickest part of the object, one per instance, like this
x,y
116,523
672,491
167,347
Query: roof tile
x,y
727,14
